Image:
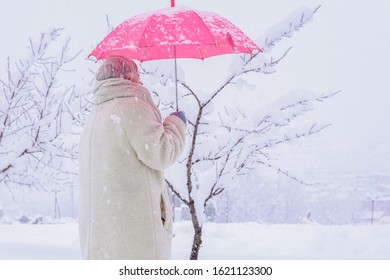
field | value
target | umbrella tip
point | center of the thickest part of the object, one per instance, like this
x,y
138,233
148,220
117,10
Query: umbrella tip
x,y
172,3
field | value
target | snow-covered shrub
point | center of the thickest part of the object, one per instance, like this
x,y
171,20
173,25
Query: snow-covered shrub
x,y
24,219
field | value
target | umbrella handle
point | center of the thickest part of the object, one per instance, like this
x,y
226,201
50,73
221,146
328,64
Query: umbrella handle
x,y
172,3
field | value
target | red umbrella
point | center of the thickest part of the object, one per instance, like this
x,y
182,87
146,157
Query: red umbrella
x,y
174,32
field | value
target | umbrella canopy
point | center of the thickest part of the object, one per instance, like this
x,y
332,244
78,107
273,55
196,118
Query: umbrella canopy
x,y
174,32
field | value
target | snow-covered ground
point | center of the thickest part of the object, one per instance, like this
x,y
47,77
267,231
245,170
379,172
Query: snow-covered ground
x,y
221,241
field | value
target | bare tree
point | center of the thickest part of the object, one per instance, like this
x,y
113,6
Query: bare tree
x,y
227,141
37,115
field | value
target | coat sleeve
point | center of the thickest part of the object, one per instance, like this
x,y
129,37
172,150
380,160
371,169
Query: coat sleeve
x,y
158,145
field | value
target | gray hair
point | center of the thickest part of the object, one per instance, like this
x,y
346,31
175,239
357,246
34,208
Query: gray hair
x,y
118,67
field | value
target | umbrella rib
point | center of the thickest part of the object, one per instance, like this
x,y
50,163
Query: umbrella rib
x,y
142,36
207,28
200,52
143,31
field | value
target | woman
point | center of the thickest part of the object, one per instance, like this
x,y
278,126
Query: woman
x,y
124,148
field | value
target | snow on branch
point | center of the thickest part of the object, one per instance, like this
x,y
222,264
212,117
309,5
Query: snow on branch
x,y
287,27
34,116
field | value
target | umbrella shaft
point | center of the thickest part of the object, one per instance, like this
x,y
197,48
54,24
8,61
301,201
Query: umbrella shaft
x,y
177,94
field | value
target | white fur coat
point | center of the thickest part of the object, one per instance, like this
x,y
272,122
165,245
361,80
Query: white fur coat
x,y
124,149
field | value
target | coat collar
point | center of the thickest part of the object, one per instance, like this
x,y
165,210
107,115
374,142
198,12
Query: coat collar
x,y
110,89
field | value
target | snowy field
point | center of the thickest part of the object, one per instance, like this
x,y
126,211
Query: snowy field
x,y
221,241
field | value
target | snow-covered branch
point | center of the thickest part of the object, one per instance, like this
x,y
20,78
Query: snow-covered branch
x,y
287,27
36,114
258,63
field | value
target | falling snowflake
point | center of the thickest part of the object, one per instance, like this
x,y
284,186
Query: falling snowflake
x,y
116,119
